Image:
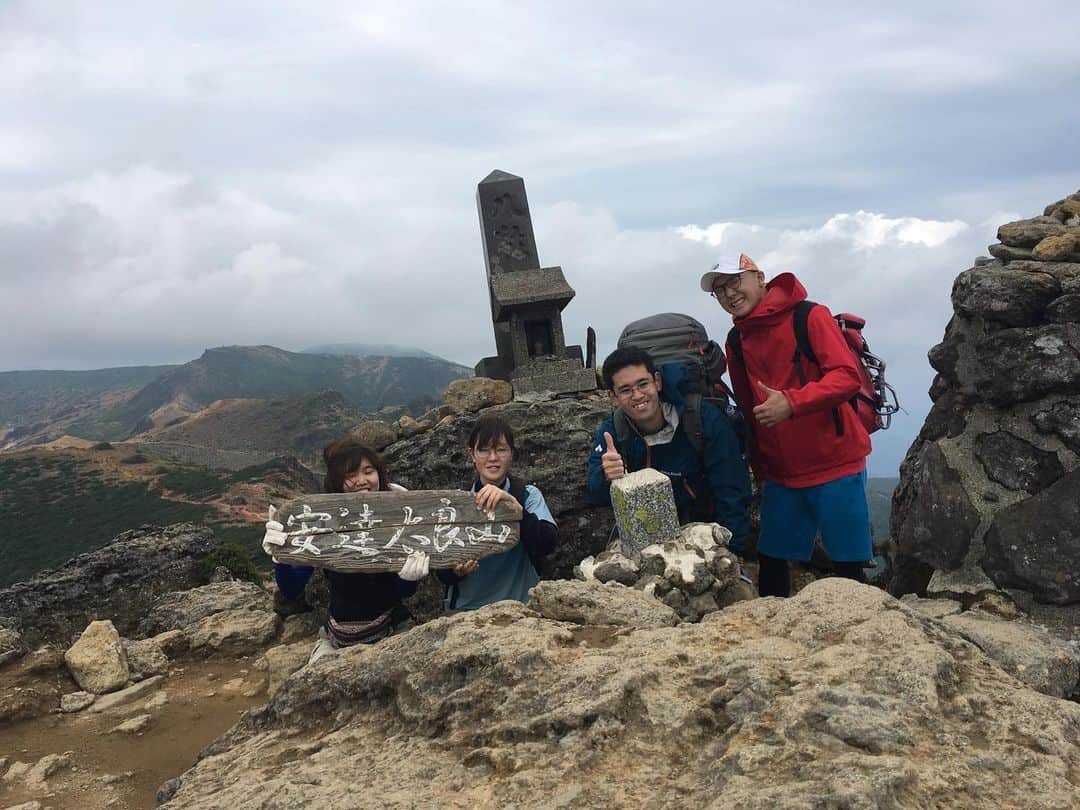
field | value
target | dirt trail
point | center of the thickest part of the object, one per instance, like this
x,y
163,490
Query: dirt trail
x,y
118,770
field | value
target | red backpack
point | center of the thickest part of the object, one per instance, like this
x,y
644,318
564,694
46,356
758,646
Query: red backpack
x,y
875,402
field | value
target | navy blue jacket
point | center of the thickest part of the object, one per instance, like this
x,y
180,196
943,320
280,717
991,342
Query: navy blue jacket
x,y
718,474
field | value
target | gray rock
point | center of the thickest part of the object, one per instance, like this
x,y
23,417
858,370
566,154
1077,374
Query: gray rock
x,y
283,660
134,725
1008,254
1004,294
375,433
471,395
1061,418
1035,544
145,658
76,701
237,632
1015,463
1065,309
938,520
177,611
1026,233
119,581
686,567
407,427
1032,655
97,661
1022,364
934,608
612,566
127,696
594,603
965,582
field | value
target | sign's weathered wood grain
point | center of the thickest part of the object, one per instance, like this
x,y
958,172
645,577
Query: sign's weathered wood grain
x,y
375,531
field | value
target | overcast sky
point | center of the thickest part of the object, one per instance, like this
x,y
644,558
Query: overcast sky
x,y
184,175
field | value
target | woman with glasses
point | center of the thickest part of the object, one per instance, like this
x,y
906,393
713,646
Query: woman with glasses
x,y
512,573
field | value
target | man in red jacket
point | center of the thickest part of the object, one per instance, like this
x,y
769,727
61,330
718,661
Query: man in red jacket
x,y
807,446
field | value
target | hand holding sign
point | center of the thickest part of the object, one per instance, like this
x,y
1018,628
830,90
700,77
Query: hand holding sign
x,y
611,461
775,409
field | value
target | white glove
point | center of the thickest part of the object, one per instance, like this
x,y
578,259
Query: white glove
x,y
415,567
275,534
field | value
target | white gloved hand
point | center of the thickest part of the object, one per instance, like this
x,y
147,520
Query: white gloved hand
x,y
275,534
415,567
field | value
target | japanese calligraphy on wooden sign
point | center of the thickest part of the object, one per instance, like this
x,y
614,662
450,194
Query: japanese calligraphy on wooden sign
x,y
375,531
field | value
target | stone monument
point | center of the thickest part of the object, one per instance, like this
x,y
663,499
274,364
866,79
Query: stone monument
x,y
527,300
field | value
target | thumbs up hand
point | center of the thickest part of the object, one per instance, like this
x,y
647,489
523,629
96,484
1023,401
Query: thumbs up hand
x,y
611,461
774,410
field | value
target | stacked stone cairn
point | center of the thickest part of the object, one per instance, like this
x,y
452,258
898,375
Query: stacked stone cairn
x,y
989,493
687,568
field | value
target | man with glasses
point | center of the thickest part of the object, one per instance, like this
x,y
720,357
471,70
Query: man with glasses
x,y
508,575
807,447
710,485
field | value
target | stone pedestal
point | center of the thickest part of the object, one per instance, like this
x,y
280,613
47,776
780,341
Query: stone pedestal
x,y
645,511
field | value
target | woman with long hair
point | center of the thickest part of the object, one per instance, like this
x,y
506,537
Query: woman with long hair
x,y
364,608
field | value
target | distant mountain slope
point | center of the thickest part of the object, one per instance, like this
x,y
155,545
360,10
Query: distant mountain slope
x,y
371,350
879,492
266,372
236,433
44,402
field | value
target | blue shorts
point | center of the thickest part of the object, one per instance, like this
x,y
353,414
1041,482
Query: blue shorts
x,y
792,518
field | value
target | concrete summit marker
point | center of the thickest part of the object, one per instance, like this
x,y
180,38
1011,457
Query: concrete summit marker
x,y
645,513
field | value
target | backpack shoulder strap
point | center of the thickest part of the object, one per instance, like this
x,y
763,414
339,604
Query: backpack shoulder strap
x,y
622,428
801,316
517,489
691,422
734,343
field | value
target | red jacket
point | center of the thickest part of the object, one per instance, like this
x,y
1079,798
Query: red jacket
x,y
804,450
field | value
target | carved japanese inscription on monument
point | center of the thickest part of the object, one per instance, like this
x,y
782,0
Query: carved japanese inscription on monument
x,y
375,531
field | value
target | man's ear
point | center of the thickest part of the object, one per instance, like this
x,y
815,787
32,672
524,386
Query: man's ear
x,y
659,380
614,400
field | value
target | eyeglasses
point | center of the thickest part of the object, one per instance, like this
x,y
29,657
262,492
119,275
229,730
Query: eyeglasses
x,y
726,286
641,386
501,450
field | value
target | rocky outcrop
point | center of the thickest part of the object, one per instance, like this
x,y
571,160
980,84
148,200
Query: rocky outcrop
x,y
838,697
118,582
553,441
471,395
177,611
988,486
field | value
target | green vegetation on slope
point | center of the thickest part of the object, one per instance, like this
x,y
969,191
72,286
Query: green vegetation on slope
x,y
53,508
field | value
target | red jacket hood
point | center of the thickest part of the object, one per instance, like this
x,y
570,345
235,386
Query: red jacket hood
x,y
781,295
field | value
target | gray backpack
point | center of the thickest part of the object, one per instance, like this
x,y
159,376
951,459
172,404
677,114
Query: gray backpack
x,y
674,338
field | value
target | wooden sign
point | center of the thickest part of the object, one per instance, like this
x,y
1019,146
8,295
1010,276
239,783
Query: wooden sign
x,y
375,531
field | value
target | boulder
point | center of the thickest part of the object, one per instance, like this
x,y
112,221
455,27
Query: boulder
x,y
1002,293
1022,364
1035,544
1016,463
120,580
596,603
1055,248
837,697
1060,418
133,725
470,395
1027,233
145,658
375,433
237,632
1026,651
176,611
407,427
937,519
612,566
1065,309
97,661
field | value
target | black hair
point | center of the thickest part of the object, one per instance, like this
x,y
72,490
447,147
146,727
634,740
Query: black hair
x,y
489,429
624,357
344,456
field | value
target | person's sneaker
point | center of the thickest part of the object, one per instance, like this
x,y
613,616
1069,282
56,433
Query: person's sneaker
x,y
290,607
